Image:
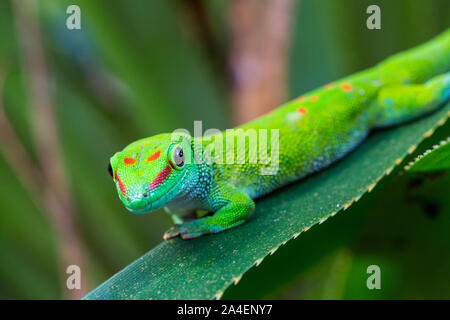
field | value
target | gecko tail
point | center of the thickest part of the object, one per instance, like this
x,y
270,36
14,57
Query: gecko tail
x,y
400,103
421,63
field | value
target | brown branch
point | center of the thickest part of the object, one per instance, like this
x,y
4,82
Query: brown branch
x,y
198,21
55,189
16,156
259,55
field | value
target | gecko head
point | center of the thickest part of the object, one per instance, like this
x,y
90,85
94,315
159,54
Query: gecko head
x,y
150,172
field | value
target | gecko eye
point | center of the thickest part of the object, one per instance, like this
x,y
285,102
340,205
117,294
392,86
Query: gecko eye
x,y
110,170
176,157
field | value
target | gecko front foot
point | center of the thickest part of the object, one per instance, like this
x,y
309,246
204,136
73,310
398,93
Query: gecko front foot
x,y
188,230
236,211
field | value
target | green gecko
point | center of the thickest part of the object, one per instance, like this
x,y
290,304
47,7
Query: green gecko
x,y
314,131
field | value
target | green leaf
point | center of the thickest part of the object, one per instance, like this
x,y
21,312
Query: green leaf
x,y
203,268
435,159
413,223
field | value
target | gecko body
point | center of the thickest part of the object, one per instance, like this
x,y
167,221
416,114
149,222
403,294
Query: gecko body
x,y
312,132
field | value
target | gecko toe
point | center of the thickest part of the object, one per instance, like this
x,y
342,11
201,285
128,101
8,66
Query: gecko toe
x,y
185,231
187,236
173,232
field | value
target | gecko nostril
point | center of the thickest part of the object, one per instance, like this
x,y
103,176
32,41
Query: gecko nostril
x,y
145,195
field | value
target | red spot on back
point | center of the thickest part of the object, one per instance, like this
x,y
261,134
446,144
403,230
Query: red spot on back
x,y
302,110
161,177
346,87
329,85
301,98
154,156
314,98
129,161
122,187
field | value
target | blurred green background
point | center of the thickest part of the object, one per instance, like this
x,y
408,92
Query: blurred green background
x,y
138,68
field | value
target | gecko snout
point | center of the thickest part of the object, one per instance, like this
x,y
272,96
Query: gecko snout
x,y
137,204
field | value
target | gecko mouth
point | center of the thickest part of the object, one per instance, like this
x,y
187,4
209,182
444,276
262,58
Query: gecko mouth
x,y
145,203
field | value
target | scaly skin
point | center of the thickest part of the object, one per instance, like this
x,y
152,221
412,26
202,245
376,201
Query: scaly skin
x,y
315,130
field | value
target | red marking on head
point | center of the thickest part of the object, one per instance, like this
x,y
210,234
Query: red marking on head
x,y
301,98
122,187
329,85
314,98
154,156
346,87
302,110
129,161
161,177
